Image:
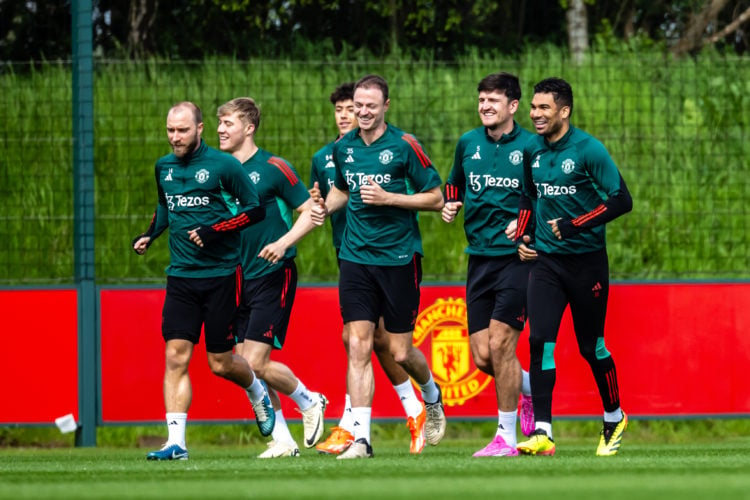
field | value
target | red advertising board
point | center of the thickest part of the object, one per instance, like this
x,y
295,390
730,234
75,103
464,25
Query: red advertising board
x,y
679,350
39,356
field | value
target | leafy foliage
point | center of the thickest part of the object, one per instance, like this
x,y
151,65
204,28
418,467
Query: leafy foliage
x,y
440,29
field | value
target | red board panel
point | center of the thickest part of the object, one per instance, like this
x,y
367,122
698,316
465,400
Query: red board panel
x,y
39,356
679,350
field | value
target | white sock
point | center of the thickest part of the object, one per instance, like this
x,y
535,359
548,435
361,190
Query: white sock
x,y
613,416
302,396
255,390
545,426
506,426
347,422
176,423
361,416
281,432
410,402
525,383
430,392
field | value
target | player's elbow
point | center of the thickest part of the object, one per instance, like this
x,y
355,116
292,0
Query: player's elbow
x,y
439,204
625,202
256,214
626,199
629,203
435,202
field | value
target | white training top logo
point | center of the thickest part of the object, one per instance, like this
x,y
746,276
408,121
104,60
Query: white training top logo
x,y
385,157
516,157
568,166
201,175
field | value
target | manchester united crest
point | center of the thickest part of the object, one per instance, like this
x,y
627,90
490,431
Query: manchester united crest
x,y
441,333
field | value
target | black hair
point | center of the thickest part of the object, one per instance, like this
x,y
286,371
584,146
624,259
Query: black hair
x,y
561,91
504,82
343,92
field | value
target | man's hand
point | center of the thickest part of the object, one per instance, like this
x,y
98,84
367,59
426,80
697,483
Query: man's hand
x,y
273,252
141,244
318,212
525,252
193,235
555,229
510,231
373,194
450,209
315,192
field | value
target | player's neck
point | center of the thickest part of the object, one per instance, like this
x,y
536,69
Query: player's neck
x,y
558,134
370,136
497,132
246,151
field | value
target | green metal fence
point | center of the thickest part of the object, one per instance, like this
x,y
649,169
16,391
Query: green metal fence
x,y
678,130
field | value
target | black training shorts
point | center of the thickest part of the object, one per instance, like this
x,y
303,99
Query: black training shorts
x,y
192,303
266,305
496,289
367,292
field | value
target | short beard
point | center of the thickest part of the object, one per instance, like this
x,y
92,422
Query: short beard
x,y
191,146
552,130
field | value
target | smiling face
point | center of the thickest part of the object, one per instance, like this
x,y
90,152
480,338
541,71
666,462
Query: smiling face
x,y
496,111
232,132
346,119
183,133
370,108
549,120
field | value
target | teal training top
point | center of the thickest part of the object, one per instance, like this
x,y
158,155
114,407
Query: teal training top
x,y
323,172
281,191
202,189
381,235
487,176
576,180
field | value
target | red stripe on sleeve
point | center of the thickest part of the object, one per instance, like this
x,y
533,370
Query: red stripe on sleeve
x,y
281,165
230,225
451,192
523,221
578,221
412,141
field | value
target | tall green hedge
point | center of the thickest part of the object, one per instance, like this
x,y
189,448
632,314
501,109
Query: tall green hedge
x,y
678,130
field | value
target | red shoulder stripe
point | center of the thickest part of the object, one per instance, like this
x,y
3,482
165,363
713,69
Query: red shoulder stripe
x,y
281,165
412,141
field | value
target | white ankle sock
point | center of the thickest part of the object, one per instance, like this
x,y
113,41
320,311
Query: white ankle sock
x,y
361,417
410,402
176,423
281,432
302,396
506,426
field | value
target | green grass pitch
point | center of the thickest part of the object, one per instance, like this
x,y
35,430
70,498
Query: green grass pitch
x,y
648,466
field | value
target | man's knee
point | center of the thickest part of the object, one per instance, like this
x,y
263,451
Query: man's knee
x,y
381,343
401,348
360,348
177,354
480,350
220,364
257,355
